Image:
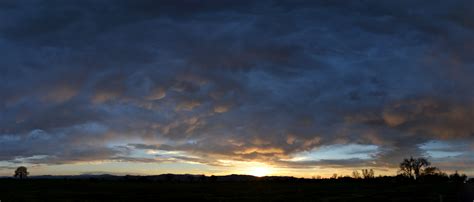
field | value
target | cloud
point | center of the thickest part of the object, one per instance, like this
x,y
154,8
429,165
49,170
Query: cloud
x,y
256,81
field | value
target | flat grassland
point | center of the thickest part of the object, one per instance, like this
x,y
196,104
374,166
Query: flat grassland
x,y
123,190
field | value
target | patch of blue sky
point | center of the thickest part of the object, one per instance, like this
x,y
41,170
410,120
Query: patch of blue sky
x,y
442,149
338,152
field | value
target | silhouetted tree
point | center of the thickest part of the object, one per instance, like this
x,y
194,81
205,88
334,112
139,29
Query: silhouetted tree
x,y
413,167
456,177
433,174
355,174
431,170
406,167
368,174
21,172
419,164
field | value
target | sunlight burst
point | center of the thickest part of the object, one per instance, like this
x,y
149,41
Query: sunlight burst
x,y
260,171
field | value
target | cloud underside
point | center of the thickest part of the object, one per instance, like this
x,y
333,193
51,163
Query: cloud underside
x,y
268,81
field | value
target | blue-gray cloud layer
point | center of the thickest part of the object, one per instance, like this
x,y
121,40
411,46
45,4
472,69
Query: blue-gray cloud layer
x,y
235,79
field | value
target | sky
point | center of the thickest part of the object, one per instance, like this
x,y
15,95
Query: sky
x,y
271,87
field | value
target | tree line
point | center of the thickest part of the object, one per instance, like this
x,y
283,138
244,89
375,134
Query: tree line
x,y
414,169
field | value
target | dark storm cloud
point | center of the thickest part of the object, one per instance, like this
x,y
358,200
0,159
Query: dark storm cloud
x,y
241,80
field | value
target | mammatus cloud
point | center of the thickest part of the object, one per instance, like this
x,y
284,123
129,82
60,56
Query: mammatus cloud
x,y
205,81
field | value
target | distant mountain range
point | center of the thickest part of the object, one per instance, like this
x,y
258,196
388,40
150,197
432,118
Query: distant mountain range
x,y
167,177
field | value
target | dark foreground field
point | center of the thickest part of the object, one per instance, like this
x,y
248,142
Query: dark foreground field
x,y
130,190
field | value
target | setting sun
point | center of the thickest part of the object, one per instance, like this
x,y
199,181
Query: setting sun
x,y
260,171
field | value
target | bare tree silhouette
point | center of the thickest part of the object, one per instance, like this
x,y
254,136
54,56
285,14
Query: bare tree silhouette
x,y
355,174
414,167
431,170
368,173
21,172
